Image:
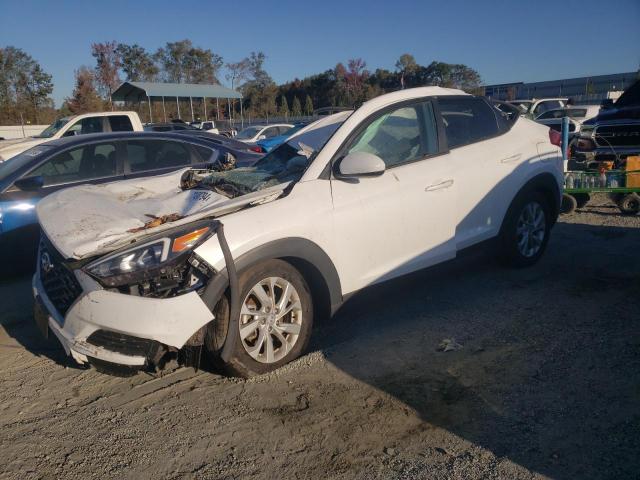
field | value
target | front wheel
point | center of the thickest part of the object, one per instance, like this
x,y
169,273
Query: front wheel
x,y
275,321
526,229
630,204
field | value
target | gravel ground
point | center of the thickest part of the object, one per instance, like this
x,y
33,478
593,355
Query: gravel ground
x,y
546,383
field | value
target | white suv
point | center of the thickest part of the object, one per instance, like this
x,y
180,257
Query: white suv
x,y
135,272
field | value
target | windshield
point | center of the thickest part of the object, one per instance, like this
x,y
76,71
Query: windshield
x,y
54,128
248,132
284,164
16,163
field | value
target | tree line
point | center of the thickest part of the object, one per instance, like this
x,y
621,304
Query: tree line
x,y
25,88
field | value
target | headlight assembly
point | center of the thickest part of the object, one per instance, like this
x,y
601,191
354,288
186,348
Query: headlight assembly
x,y
151,258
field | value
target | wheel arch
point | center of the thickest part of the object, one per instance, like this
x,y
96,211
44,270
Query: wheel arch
x,y
306,256
544,183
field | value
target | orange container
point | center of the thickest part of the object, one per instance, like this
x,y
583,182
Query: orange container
x,y
633,177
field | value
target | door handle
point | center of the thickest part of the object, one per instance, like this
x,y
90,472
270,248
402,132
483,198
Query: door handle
x,y
439,186
512,158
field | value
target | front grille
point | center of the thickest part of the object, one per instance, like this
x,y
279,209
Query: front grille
x,y
617,135
59,282
124,344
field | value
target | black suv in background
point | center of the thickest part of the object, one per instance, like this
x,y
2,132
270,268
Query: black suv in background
x,y
614,134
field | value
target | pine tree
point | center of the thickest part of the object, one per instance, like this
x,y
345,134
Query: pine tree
x,y
284,107
296,108
308,106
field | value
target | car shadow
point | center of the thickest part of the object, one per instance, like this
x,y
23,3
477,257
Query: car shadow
x,y
542,367
19,327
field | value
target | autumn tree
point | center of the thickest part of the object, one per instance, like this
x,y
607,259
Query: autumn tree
x,y
106,76
84,98
136,63
24,86
182,62
284,107
238,72
296,107
308,105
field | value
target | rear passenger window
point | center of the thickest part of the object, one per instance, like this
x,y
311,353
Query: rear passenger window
x,y
207,154
144,155
467,120
120,123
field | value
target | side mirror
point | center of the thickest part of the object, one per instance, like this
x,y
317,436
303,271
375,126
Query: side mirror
x,y
262,137
70,133
30,184
361,164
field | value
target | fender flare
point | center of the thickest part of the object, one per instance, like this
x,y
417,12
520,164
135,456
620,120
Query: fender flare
x,y
294,248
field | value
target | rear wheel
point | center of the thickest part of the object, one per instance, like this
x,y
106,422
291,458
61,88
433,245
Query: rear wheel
x,y
525,232
569,204
630,204
274,324
581,199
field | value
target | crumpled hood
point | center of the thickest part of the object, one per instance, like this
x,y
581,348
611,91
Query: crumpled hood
x,y
10,148
92,219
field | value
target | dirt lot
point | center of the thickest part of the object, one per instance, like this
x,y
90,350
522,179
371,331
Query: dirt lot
x,y
546,384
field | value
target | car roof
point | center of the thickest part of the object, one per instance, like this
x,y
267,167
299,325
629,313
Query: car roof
x,y
89,138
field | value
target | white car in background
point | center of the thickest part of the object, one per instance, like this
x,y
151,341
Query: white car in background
x,y
256,133
207,126
238,264
537,106
577,115
96,122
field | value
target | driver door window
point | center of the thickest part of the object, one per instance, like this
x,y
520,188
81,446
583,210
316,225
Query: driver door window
x,y
396,137
86,125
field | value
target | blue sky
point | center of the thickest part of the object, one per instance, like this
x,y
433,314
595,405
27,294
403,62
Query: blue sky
x,y
503,40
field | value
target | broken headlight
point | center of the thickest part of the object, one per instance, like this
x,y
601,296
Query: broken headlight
x,y
153,258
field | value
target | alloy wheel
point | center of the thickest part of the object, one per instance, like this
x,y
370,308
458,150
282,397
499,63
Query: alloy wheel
x,y
531,229
270,319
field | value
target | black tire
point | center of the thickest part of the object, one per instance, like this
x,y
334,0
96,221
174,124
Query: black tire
x,y
510,253
569,204
581,199
630,204
240,362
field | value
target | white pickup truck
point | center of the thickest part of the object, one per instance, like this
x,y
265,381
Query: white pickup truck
x,y
95,122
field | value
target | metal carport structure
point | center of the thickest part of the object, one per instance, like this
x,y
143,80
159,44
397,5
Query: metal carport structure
x,y
139,91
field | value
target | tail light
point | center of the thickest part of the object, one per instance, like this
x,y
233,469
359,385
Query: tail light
x,y
256,148
555,137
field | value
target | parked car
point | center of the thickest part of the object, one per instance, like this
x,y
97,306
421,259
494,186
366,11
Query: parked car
x,y
241,263
537,106
268,144
245,155
97,122
614,134
207,126
172,126
577,115
256,133
95,159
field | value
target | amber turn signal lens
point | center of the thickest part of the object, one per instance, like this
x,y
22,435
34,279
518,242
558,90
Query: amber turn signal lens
x,y
187,241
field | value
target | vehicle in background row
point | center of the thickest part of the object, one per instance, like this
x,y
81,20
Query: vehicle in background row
x,y
208,126
256,133
577,115
168,127
95,159
243,261
614,134
244,155
269,144
97,122
535,107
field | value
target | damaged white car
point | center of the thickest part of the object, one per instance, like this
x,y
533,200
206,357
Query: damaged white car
x,y
237,265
